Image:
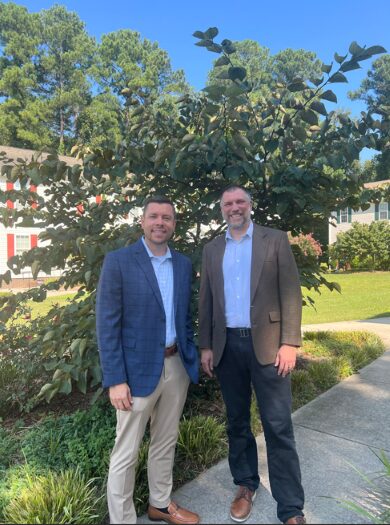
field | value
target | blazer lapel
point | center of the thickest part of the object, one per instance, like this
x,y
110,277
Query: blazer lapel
x,y
176,267
217,266
143,260
259,251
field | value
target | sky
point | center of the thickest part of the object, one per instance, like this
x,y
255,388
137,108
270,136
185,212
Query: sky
x,y
323,27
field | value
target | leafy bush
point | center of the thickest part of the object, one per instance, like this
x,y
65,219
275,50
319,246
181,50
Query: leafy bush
x,y
303,388
83,439
65,497
364,246
201,442
22,371
9,447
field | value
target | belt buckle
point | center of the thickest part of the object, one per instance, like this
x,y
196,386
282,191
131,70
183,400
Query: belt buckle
x,y
244,332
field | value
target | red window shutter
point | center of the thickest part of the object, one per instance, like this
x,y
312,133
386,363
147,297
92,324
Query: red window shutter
x,y
33,188
34,241
98,199
10,244
10,186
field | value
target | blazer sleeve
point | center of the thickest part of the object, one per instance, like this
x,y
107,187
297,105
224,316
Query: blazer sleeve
x,y
109,322
205,306
290,294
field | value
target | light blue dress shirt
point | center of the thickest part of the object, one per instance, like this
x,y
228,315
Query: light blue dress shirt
x,y
237,279
163,270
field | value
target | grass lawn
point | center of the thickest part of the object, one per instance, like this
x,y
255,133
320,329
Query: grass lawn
x,y
43,308
363,295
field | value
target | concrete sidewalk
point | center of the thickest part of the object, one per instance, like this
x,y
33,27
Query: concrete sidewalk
x,y
340,428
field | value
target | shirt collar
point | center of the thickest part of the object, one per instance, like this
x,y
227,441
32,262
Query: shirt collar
x,y
248,233
167,255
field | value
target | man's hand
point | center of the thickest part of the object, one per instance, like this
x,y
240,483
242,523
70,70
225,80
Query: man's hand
x,y
286,359
207,361
120,397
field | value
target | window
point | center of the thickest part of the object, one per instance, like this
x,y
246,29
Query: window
x,y
344,215
383,211
22,244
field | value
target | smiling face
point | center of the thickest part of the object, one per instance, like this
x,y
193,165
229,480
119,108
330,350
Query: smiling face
x,y
236,209
158,224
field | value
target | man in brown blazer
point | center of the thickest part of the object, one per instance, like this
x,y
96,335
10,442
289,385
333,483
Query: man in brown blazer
x,y
250,308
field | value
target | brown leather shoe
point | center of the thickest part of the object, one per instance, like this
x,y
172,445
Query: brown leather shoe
x,y
296,520
175,514
241,507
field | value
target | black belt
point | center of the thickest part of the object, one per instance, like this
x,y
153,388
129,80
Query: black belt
x,y
240,332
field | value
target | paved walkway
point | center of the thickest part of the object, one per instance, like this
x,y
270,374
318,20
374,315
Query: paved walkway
x,y
340,428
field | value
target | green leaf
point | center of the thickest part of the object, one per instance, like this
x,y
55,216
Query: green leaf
x,y
48,336
35,268
96,395
204,43
337,77
369,52
232,172
309,116
272,145
326,68
222,61
297,86
328,95
300,133
228,46
188,138
223,75
317,81
241,140
66,386
87,276
48,391
237,73
198,34
82,382
340,58
350,66
215,48
211,33
318,107
355,49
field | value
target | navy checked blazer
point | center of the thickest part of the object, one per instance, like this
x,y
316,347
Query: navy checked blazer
x,y
130,319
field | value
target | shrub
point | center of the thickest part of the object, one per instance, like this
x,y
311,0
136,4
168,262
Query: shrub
x,y
303,389
65,497
201,442
323,374
83,439
22,371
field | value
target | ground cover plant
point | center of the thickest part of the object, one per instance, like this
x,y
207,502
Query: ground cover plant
x,y
79,443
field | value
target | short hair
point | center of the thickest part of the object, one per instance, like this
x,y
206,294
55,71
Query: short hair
x,y
233,187
159,199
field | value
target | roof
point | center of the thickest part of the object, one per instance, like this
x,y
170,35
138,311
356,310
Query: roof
x,y
27,154
377,183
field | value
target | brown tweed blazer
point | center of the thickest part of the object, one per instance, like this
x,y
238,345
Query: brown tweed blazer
x,y
276,300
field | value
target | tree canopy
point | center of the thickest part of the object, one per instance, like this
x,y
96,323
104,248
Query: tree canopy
x,y
375,92
286,147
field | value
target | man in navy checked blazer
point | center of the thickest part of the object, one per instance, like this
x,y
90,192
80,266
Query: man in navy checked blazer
x,y
148,358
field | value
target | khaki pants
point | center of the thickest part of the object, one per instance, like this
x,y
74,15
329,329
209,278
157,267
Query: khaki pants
x,y
164,408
